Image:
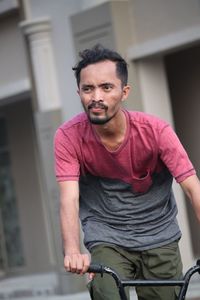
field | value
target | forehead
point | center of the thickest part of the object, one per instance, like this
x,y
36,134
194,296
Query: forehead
x,y
100,71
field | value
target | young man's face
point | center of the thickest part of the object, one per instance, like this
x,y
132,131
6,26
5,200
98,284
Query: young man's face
x,y
101,91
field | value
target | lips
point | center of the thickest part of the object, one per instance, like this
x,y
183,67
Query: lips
x,y
96,109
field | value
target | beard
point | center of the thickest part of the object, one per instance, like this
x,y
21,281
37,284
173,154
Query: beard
x,y
99,121
95,119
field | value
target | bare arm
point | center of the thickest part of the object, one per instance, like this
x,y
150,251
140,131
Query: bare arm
x,y
74,261
191,187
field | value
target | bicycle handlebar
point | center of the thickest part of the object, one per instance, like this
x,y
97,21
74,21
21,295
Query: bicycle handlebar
x,y
121,283
98,268
94,268
198,264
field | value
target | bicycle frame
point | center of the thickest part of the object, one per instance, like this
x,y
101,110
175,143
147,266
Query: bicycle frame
x,y
122,283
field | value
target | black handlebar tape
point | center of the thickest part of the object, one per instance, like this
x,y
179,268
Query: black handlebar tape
x,y
198,264
95,269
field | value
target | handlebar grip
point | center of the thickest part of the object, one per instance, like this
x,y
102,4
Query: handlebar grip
x,y
198,264
95,268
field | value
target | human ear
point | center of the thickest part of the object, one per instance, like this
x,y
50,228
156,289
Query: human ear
x,y
126,91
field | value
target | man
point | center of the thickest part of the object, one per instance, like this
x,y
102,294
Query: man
x,y
115,168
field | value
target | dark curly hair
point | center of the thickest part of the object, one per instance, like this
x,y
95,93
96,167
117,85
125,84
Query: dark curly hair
x,y
99,53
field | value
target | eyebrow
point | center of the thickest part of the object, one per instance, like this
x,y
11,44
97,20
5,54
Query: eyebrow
x,y
100,85
87,86
106,83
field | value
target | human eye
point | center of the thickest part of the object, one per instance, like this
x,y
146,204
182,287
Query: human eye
x,y
107,87
87,88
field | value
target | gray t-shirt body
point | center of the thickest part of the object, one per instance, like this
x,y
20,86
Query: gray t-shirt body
x,y
111,212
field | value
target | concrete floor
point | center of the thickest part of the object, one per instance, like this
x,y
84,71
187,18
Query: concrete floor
x,y
79,296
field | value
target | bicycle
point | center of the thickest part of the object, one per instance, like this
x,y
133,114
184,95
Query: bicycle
x,y
122,283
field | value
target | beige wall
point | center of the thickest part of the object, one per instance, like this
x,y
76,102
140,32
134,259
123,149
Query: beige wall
x,y
157,18
154,87
13,67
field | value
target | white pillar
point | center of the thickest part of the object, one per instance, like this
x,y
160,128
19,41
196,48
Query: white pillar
x,y
156,100
46,117
38,33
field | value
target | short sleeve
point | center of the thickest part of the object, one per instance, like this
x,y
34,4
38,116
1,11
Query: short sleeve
x,y
67,165
174,156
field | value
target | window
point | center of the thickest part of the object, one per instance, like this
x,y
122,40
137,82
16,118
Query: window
x,y
11,254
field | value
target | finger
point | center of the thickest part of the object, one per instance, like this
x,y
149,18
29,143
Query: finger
x,y
79,264
86,263
67,263
74,263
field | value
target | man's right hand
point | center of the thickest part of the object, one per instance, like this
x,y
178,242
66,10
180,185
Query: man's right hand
x,y
77,263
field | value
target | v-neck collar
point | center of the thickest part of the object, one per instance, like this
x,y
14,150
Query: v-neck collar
x,y
121,146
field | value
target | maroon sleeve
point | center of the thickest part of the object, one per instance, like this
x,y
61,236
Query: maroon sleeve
x,y
174,156
67,166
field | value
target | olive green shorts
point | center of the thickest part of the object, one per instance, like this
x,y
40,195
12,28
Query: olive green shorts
x,y
159,263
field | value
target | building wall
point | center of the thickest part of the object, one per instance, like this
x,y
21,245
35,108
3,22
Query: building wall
x,y
157,18
63,47
13,71
16,105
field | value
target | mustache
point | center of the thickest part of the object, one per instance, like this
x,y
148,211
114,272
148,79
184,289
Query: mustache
x,y
97,105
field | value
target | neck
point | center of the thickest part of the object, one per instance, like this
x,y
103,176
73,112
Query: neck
x,y
114,127
112,133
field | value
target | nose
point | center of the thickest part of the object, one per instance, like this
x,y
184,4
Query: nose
x,y
97,95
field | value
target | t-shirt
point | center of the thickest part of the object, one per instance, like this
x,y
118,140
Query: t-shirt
x,y
126,195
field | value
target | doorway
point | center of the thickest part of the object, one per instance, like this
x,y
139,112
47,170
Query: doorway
x,y
183,75
23,236
11,250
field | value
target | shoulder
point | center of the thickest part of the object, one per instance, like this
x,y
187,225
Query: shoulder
x,y
72,129
75,123
141,119
78,124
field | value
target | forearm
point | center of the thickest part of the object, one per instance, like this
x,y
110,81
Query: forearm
x,y
69,216
191,187
70,229
195,201
74,260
